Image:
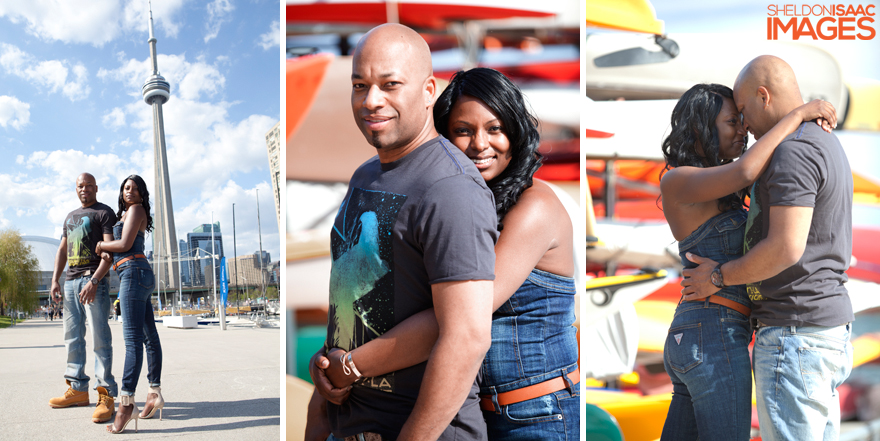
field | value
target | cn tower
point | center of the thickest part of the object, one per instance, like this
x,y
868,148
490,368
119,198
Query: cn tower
x,y
156,92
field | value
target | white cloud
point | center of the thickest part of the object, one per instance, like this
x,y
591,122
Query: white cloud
x,y
66,165
272,37
218,13
188,80
14,112
52,75
88,21
114,119
19,159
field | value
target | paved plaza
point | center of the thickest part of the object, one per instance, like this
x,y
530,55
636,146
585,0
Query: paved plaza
x,y
216,384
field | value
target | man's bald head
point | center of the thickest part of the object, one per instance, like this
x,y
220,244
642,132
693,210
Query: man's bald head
x,y
86,177
393,90
86,189
765,91
397,41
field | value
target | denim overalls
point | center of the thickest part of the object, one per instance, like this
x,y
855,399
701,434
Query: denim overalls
x,y
534,340
706,352
136,282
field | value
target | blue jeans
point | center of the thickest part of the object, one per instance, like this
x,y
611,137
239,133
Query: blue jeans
x,y
75,316
533,341
797,372
554,416
707,357
136,282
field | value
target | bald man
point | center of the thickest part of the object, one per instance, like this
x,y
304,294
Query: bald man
x,y
797,247
416,230
86,298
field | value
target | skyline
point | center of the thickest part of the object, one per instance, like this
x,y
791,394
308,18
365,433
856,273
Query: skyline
x,y
71,102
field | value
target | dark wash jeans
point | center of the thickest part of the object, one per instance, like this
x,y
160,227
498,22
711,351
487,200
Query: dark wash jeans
x,y
136,282
706,352
707,357
533,340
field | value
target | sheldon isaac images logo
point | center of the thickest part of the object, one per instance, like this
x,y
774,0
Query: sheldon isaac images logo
x,y
821,22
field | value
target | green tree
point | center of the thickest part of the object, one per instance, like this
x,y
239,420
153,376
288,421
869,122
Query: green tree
x,y
19,273
271,292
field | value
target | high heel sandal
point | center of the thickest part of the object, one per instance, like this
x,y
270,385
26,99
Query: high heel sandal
x,y
157,403
125,400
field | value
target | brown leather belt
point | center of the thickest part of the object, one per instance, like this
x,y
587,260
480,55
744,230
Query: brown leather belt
x,y
126,259
738,307
529,392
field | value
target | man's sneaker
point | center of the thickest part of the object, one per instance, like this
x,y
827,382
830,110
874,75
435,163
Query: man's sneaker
x,y
105,407
72,397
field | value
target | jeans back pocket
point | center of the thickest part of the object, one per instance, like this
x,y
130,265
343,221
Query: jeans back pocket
x,y
146,280
684,347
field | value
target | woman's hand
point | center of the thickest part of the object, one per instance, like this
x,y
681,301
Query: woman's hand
x,y
820,110
317,365
107,256
335,373
98,250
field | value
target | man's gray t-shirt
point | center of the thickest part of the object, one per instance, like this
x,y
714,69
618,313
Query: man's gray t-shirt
x,y
808,169
424,219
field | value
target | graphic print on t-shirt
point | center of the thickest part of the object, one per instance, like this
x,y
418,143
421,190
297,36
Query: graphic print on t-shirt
x,y
754,232
362,278
78,231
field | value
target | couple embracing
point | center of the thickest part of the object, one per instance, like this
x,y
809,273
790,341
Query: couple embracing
x,y
444,226
93,237
777,269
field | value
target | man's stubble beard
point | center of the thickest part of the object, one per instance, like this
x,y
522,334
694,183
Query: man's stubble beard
x,y
376,142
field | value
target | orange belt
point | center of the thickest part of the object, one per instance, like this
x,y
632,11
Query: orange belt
x,y
126,259
529,392
738,307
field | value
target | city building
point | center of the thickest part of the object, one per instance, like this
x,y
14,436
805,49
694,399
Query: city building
x,y
273,147
200,252
244,271
185,265
274,273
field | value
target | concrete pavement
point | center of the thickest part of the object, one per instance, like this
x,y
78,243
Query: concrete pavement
x,y
216,384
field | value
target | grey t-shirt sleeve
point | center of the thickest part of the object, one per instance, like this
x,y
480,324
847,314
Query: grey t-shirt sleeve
x,y
456,228
795,175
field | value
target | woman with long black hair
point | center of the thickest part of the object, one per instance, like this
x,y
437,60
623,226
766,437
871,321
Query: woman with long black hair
x,y
136,283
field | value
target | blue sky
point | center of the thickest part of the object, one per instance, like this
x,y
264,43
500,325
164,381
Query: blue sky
x,y
70,101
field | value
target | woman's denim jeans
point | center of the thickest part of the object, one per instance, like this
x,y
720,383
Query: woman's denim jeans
x,y
136,282
707,357
706,353
533,340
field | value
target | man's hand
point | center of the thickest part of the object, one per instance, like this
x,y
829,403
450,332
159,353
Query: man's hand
x,y
323,386
57,296
335,373
697,281
87,295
